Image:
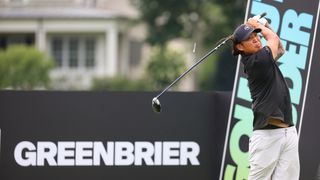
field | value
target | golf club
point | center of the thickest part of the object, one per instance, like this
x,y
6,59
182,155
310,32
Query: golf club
x,y
156,105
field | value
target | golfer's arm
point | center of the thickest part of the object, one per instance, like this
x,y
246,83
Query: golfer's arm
x,y
281,50
273,41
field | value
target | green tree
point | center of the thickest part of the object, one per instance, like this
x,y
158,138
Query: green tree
x,y
24,67
169,19
221,75
202,21
165,66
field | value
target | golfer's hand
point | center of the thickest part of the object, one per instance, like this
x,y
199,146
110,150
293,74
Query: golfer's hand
x,y
253,23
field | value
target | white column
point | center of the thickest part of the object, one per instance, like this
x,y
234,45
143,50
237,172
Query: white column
x,y
41,36
111,51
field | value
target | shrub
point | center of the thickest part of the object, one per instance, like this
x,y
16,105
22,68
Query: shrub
x,y
24,67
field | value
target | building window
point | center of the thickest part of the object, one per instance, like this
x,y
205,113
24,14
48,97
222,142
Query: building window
x,y
90,52
74,51
57,51
13,39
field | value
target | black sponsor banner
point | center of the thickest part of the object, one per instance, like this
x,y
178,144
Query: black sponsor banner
x,y
295,22
111,135
310,128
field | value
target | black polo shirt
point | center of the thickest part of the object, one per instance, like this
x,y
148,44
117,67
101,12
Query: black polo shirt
x,y
268,88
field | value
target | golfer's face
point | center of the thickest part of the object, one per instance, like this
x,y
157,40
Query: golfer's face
x,y
252,44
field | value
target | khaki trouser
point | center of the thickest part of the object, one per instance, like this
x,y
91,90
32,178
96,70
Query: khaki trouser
x,y
273,154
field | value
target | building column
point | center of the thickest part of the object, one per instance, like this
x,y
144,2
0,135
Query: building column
x,y
111,64
40,37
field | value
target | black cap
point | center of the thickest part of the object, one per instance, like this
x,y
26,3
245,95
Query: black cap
x,y
243,32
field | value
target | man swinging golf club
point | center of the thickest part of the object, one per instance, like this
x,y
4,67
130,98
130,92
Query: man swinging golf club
x,y
273,146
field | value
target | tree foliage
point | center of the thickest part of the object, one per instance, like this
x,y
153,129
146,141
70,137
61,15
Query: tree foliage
x,y
23,67
165,66
165,19
201,21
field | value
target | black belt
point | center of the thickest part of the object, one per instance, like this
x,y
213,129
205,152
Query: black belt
x,y
270,126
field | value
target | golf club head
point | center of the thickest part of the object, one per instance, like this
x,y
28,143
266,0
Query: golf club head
x,y
156,106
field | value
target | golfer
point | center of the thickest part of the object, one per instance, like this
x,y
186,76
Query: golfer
x,y
273,146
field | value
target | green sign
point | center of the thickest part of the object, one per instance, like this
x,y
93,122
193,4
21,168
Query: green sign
x,y
295,23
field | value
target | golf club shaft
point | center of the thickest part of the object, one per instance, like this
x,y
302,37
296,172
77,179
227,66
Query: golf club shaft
x,y
198,62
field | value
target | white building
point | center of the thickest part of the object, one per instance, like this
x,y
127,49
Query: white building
x,y
87,38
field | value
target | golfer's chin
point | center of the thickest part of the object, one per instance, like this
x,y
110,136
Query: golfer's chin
x,y
254,50
258,46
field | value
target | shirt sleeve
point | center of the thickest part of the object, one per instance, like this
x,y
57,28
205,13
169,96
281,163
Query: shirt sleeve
x,y
261,63
263,55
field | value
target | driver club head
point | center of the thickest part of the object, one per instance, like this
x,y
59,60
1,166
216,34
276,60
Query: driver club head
x,y
156,106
